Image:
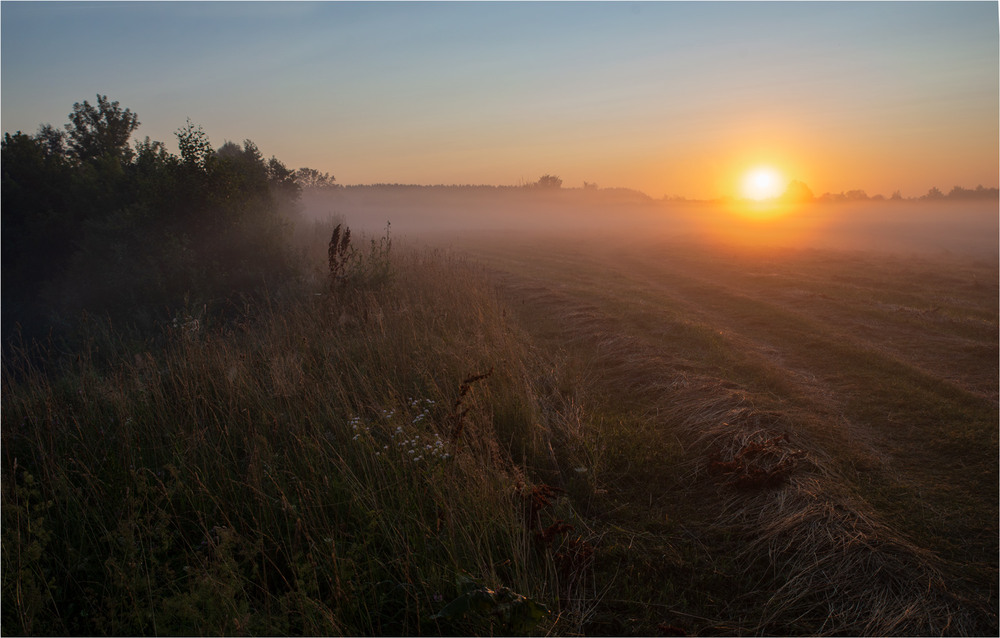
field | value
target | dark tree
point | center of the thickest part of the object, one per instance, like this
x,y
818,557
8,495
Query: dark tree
x,y
101,131
311,178
195,148
135,233
53,140
797,192
283,180
549,182
40,222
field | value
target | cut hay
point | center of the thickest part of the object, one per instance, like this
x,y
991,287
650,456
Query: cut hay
x,y
819,561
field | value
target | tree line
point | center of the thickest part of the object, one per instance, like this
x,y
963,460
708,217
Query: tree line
x,y
799,192
133,232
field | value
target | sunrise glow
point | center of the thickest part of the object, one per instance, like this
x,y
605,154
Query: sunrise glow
x,y
471,93
762,183
410,317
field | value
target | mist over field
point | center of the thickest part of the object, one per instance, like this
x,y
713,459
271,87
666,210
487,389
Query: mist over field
x,y
241,398
963,227
260,377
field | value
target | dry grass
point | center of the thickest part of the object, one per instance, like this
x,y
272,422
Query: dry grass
x,y
630,446
820,562
771,449
290,472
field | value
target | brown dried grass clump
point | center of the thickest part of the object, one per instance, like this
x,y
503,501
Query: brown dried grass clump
x,y
536,499
816,560
757,465
551,533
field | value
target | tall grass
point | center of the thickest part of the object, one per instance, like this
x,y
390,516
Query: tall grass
x,y
298,471
415,445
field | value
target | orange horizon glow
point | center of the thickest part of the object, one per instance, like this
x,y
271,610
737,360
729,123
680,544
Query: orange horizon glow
x,y
671,99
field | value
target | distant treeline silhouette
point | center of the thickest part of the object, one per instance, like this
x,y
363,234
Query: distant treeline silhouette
x,y
956,193
796,191
548,185
135,233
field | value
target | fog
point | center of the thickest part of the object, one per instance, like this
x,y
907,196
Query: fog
x,y
942,226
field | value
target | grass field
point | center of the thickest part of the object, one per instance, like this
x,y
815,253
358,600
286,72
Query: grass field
x,y
832,415
523,435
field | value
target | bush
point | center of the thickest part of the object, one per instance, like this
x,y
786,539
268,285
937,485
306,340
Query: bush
x,y
130,234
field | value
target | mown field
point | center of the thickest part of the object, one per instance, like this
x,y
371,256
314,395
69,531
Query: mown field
x,y
819,428
518,435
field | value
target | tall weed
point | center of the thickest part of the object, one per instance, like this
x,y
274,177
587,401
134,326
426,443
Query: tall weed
x,y
292,472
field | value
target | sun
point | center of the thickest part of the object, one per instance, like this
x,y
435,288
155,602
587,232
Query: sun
x,y
762,182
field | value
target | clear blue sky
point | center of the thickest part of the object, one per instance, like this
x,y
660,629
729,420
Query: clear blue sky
x,y
671,98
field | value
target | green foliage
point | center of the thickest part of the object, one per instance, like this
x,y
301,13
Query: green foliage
x,y
99,131
28,580
195,148
516,614
40,217
92,225
312,178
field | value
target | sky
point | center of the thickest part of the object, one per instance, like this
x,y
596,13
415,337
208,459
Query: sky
x,y
674,99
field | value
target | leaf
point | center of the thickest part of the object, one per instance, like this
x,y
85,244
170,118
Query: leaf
x,y
518,612
464,582
482,600
455,609
527,612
